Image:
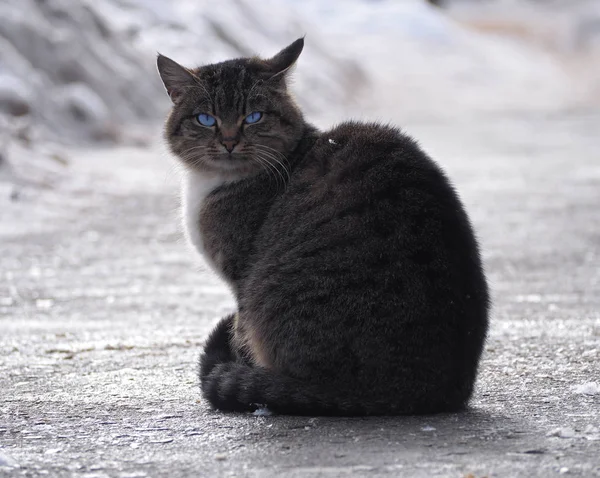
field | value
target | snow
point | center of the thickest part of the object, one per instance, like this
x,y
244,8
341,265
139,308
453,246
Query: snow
x,y
83,70
76,72
15,96
588,388
562,432
534,298
262,412
7,460
590,433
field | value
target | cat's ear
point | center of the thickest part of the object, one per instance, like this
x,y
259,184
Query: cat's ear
x,y
285,59
175,77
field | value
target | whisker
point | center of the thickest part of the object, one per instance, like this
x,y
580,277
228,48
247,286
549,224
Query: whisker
x,y
268,159
276,152
194,148
274,156
264,164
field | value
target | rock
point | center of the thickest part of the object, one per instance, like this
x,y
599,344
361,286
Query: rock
x,y
83,105
15,96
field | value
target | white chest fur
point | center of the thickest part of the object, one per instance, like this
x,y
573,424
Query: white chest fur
x,y
195,188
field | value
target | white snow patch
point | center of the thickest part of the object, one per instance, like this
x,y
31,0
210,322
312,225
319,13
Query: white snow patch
x,y
262,412
534,298
562,432
44,304
428,428
588,388
7,460
591,433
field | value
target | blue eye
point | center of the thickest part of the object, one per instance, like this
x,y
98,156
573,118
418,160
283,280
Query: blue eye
x,y
253,117
206,120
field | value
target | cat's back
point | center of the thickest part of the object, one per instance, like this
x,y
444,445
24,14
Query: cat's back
x,y
360,136
355,153
358,168
367,198
365,186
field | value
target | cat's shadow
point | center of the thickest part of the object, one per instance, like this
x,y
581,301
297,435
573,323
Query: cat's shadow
x,y
462,432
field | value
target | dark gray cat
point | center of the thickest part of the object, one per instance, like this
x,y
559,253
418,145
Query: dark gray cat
x,y
357,275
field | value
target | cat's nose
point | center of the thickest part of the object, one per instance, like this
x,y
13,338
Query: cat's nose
x,y
229,144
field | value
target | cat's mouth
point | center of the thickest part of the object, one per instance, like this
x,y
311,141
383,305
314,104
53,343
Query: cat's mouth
x,y
229,160
239,164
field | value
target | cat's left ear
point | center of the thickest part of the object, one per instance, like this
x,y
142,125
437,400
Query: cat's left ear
x,y
281,63
175,77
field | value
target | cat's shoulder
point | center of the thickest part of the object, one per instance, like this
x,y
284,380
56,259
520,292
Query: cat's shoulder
x,y
373,136
363,149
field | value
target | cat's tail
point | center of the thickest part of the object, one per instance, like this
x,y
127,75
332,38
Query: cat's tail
x,y
234,386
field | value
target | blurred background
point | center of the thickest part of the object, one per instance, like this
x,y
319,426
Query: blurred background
x,y
505,94
82,71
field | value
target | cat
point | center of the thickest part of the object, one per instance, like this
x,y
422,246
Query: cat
x,y
355,268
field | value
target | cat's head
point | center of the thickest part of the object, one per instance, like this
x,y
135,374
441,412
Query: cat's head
x,y
234,117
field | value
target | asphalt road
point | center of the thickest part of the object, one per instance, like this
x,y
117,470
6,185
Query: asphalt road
x,y
103,310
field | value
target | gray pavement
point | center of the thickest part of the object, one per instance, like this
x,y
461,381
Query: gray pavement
x,y
103,310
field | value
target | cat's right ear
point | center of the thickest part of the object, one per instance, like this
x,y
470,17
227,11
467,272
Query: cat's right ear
x,y
175,77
